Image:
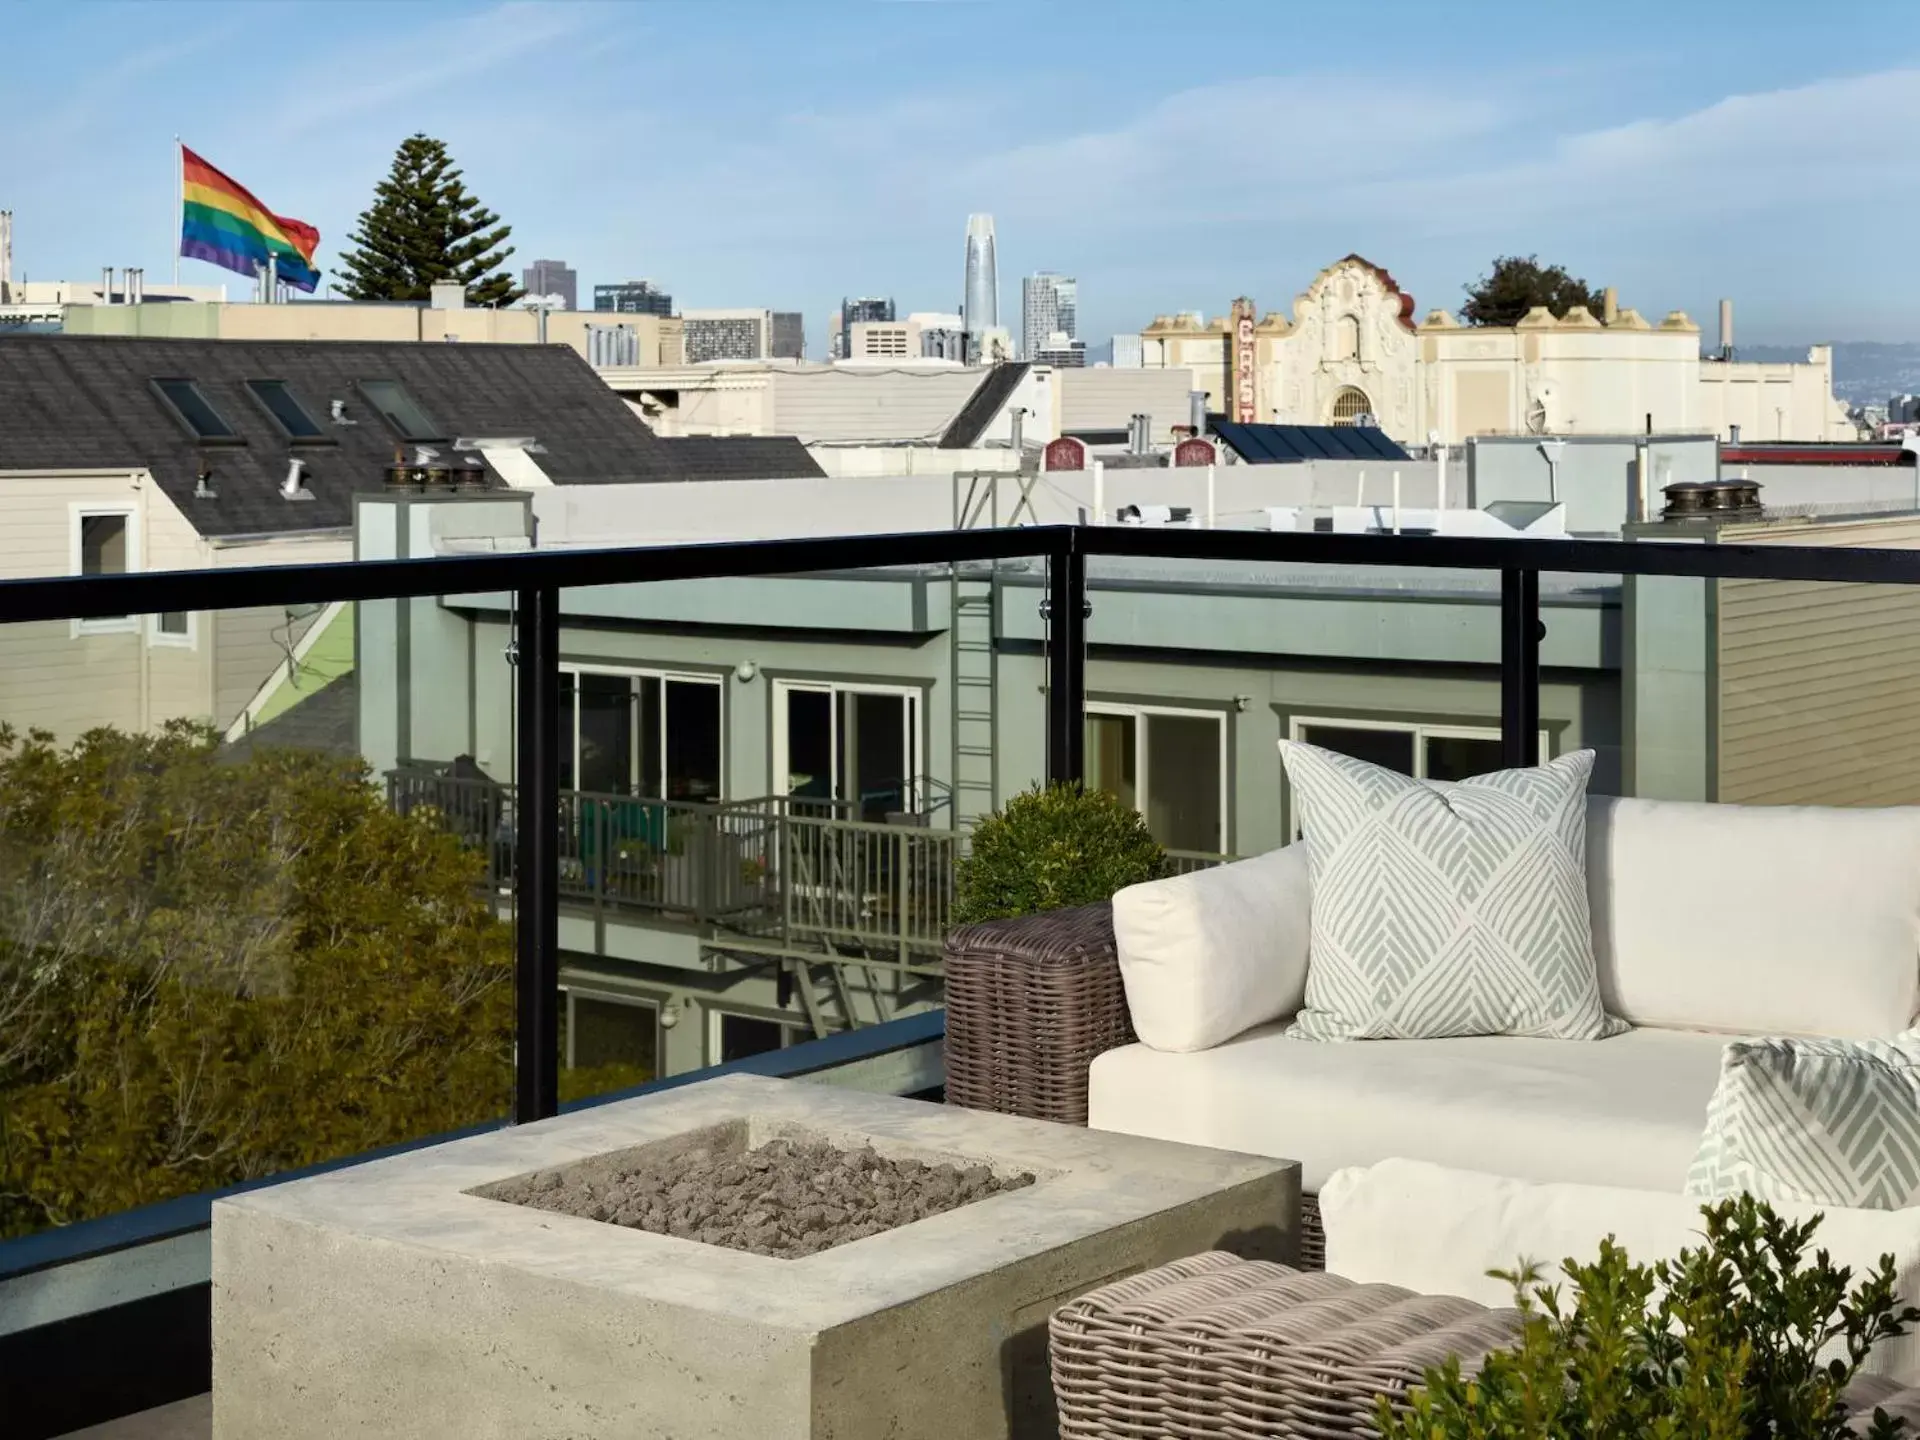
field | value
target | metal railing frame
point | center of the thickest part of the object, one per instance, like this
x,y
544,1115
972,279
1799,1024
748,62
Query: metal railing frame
x,y
535,581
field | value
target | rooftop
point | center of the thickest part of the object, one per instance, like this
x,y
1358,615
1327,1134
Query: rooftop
x,y
245,408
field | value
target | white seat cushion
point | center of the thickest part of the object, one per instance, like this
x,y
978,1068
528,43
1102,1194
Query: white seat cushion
x,y
1438,1230
1623,1111
1756,919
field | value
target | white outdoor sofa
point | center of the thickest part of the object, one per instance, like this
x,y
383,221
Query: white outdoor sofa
x,y
1164,1014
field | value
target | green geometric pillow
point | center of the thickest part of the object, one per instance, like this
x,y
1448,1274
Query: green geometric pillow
x,y
1446,909
1827,1122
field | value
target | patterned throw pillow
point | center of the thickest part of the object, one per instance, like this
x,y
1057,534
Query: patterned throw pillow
x,y
1828,1122
1444,910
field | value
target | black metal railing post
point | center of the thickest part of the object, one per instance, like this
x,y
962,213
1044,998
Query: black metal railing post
x,y
536,883
1066,615
1520,635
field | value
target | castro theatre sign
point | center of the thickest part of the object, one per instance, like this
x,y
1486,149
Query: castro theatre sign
x,y
1244,408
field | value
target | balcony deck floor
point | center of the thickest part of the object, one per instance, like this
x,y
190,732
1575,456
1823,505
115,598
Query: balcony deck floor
x,y
190,1419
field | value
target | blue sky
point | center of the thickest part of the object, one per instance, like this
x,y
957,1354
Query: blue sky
x,y
1172,155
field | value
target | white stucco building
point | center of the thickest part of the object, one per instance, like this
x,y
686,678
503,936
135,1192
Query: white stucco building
x,y
1352,348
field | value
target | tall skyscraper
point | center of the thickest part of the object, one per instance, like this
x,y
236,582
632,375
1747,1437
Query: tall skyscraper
x,y
632,297
1049,304
789,335
981,306
552,277
869,310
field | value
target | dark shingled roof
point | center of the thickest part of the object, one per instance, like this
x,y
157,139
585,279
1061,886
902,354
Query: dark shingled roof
x,y
989,397
1280,444
327,720
71,402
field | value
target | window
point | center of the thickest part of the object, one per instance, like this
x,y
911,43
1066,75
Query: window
x,y
732,1036
288,413
400,410
854,750
1349,405
173,627
196,413
1347,338
607,1029
634,733
1170,765
104,542
1426,752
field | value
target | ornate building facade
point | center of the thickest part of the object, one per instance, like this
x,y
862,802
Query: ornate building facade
x,y
1351,352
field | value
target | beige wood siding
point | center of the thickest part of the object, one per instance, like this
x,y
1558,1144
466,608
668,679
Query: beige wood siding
x,y
249,645
55,680
1819,685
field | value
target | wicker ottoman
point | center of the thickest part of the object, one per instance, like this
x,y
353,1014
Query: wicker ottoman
x,y
1214,1345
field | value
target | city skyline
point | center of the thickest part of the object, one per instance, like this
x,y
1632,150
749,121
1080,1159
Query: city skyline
x,y
1712,161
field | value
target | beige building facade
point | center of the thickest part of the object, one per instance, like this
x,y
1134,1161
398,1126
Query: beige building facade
x,y
1352,348
656,339
139,671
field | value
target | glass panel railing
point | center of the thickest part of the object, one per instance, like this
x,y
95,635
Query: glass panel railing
x,y
229,945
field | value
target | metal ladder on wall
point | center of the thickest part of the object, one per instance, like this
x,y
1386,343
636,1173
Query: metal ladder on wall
x,y
973,660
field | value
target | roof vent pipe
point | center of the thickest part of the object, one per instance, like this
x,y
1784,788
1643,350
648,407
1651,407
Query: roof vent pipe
x,y
1726,329
1018,414
294,486
1197,411
106,284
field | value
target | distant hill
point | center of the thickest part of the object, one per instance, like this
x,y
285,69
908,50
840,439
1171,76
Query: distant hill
x,y
1865,372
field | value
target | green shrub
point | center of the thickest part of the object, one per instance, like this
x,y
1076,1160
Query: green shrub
x,y
1728,1352
1052,848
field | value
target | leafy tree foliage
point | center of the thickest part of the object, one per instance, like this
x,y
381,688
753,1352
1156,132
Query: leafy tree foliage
x,y
212,971
1517,284
424,227
1731,1350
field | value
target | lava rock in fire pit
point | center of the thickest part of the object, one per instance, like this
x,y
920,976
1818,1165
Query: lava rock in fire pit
x,y
785,1199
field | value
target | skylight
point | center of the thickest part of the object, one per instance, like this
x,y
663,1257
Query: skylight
x,y
287,412
400,410
194,411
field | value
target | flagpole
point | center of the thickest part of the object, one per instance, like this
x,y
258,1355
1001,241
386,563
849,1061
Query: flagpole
x,y
179,205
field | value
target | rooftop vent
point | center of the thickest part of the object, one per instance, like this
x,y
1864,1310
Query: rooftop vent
x,y
1689,500
294,487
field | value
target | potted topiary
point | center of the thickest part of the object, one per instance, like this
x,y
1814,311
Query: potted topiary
x,y
1053,847
1746,1339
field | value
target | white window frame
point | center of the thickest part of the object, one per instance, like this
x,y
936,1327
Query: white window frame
x,y
1142,778
646,672
1420,732
188,641
913,722
80,511
792,1027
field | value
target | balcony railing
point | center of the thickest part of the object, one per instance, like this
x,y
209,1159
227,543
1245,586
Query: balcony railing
x,y
121,1304
780,871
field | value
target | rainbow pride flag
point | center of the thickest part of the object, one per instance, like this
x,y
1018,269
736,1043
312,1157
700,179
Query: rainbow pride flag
x,y
222,223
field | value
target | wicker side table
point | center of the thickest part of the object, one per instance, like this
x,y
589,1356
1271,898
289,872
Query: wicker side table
x,y
1213,1345
1030,1004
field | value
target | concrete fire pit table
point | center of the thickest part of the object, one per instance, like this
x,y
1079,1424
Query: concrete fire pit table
x,y
399,1298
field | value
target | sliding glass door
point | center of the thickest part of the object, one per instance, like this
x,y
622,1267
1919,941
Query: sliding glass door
x,y
635,733
853,750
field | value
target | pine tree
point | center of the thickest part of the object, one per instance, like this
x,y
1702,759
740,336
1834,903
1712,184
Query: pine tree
x,y
425,227
1517,284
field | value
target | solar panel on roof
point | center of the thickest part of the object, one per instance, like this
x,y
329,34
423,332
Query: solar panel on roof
x,y
1289,444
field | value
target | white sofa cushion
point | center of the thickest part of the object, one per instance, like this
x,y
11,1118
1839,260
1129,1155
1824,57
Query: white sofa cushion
x,y
1756,919
1438,1230
1208,955
1626,1111
1823,1122
1447,910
